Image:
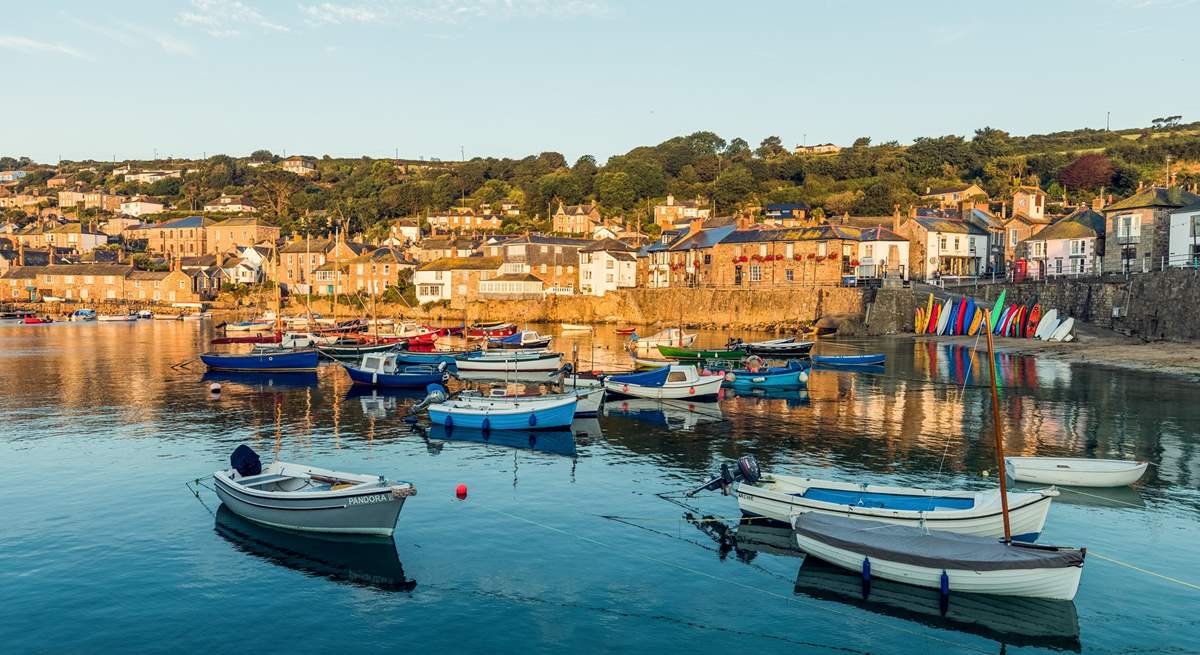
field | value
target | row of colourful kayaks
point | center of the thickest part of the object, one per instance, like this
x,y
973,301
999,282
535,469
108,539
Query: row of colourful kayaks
x,y
965,317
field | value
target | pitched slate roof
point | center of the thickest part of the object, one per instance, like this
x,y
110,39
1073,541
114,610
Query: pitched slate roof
x,y
463,264
515,277
1080,224
608,245
1156,197
148,275
543,240
190,221
706,238
26,272
949,226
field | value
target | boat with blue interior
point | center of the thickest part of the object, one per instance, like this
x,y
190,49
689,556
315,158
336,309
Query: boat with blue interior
x,y
488,413
383,370
674,382
755,376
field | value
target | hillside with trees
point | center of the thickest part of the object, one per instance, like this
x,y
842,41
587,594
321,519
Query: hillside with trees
x,y
863,179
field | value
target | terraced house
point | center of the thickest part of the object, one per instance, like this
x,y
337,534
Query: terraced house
x,y
553,260
454,279
95,282
375,270
302,263
233,233
1137,229
182,237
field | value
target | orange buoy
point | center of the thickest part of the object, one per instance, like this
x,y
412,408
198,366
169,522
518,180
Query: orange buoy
x,y
461,491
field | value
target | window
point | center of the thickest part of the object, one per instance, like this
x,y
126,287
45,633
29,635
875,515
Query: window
x,y
941,243
1058,265
542,268
820,249
762,250
788,275
609,277
608,264
545,249
1077,247
755,273
868,250
956,244
787,251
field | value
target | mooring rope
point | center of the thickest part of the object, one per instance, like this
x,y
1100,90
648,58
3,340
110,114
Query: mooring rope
x,y
1183,583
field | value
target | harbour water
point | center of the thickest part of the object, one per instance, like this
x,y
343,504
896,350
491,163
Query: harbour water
x,y
568,540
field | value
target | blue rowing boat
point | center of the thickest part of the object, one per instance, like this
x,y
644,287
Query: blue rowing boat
x,y
849,360
795,374
492,413
429,359
262,360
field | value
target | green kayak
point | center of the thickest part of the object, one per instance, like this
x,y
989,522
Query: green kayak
x,y
688,353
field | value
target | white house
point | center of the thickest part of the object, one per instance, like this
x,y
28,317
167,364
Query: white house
x,y
945,246
882,252
1183,241
230,205
150,177
141,207
298,165
81,238
455,279
607,265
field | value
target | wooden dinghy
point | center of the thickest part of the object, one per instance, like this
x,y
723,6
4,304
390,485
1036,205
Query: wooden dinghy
x,y
1075,471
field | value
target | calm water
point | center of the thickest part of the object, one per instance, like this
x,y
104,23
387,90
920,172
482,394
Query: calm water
x,y
567,541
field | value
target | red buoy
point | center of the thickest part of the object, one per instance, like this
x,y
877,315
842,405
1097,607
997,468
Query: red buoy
x,y
461,491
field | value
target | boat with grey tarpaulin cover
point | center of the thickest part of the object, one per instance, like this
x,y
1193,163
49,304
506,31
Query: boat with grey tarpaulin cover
x,y
307,498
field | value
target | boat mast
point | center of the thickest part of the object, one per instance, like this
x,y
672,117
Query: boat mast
x,y
337,275
999,434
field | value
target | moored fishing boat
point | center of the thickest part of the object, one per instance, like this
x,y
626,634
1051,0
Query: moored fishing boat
x,y
590,398
522,339
117,318
352,350
197,316
249,326
575,327
36,320
382,370
673,382
672,352
1075,471
308,498
668,337
83,315
508,360
791,376
787,347
488,413
500,329
939,560
262,360
625,331
849,360
166,317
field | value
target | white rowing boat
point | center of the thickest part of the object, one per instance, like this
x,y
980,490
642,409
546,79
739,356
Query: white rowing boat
x,y
674,382
575,327
1075,471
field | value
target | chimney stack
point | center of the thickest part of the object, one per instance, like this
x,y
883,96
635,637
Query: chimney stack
x,y
896,218
20,252
695,226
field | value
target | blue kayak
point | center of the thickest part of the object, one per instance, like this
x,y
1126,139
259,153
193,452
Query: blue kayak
x,y
849,360
793,375
274,360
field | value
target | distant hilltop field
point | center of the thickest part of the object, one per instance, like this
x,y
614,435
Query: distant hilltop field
x,y
307,194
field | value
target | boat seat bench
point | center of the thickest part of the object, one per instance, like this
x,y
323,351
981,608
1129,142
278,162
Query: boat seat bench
x,y
887,501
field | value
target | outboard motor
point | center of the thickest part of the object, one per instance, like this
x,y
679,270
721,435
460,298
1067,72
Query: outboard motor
x,y
434,393
245,461
744,470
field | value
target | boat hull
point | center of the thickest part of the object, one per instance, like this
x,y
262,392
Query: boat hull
x,y
487,414
1074,472
304,360
1027,511
787,380
671,352
371,512
501,364
848,360
706,388
1051,583
417,380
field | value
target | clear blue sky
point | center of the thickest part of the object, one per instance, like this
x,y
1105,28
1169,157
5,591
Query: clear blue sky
x,y
88,79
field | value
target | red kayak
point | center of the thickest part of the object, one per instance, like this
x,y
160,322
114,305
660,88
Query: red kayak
x,y
626,331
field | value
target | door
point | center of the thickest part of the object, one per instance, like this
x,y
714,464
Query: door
x,y
737,275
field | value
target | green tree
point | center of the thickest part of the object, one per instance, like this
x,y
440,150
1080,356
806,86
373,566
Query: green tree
x,y
771,146
616,190
733,187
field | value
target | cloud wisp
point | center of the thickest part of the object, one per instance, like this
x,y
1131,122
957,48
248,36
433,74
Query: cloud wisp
x,y
449,11
35,47
225,18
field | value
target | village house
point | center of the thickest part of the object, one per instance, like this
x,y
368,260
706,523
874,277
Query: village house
x,y
463,219
227,204
182,237
512,286
12,176
27,202
552,259
138,206
299,166
91,283
785,214
758,256
76,236
454,279
575,219
239,270
372,272
882,252
205,271
690,258
403,232
819,149
509,208
300,260
1137,229
940,247
58,181
430,250
997,259
1028,218
672,212
953,197
1184,237
68,200
607,265
233,233
160,287
1070,246
117,226
150,177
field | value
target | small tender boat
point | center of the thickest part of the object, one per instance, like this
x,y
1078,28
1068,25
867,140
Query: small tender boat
x,y
262,360
522,339
293,341
941,560
412,333
83,315
780,497
668,337
352,350
300,497
626,331
590,398
259,339
166,317
117,318
499,329
488,413
37,320
249,326
791,376
508,360
197,316
1075,471
849,360
671,352
788,347
145,313
575,327
15,315
406,358
674,382
382,370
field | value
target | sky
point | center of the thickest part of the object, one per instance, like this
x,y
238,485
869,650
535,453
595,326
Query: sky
x,y
127,79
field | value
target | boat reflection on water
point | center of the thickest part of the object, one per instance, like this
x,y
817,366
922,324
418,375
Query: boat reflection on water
x,y
671,414
264,381
1009,620
379,402
870,369
793,397
1115,497
357,560
552,442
